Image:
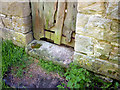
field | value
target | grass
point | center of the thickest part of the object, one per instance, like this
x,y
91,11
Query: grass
x,y
51,67
77,77
13,56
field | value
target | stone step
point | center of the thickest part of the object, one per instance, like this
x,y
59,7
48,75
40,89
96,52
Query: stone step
x,y
47,51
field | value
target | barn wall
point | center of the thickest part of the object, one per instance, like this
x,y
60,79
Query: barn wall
x,y
96,40
15,22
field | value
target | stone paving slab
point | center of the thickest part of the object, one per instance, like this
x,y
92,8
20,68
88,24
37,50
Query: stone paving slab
x,y
47,51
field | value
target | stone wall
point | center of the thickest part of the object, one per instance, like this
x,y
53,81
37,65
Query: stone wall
x,y
96,40
15,22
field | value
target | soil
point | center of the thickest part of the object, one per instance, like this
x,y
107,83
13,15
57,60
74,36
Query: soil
x,y
35,77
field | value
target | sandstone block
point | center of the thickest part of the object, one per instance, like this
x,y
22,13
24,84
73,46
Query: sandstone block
x,y
97,27
115,55
7,22
102,49
21,9
22,25
93,47
1,23
91,7
84,44
2,15
1,32
112,10
51,52
19,39
81,21
97,65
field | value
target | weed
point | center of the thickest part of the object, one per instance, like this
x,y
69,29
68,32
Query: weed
x,y
81,78
51,67
31,75
13,56
76,76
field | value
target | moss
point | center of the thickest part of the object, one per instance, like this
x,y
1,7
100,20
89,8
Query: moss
x,y
109,71
103,57
36,45
47,23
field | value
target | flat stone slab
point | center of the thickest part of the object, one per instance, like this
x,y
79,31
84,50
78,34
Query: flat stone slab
x,y
47,51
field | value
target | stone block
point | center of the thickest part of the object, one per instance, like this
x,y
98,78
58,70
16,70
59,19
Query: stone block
x,y
7,22
1,23
22,25
1,32
97,65
21,9
2,15
102,50
51,52
84,44
91,7
115,55
97,27
92,47
81,21
19,39
112,10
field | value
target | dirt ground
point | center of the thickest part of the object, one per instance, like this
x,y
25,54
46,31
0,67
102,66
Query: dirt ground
x,y
35,77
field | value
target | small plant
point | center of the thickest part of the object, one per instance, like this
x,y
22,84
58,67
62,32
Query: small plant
x,y
50,66
13,56
78,77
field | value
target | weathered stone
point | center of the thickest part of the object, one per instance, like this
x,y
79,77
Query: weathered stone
x,y
1,32
48,51
97,65
2,15
91,7
1,23
92,47
22,25
97,27
102,49
84,44
115,55
21,9
17,38
82,20
112,10
7,22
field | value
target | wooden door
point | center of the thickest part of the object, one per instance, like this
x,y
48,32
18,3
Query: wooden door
x,y
55,21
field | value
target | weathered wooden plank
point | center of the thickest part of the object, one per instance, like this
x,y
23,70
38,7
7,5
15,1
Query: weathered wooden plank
x,y
73,35
38,28
47,34
70,20
52,36
50,9
71,44
59,22
41,18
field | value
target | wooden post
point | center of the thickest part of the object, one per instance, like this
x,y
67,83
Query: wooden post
x,y
59,22
37,20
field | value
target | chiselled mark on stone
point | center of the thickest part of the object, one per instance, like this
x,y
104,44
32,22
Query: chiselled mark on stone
x,y
2,22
